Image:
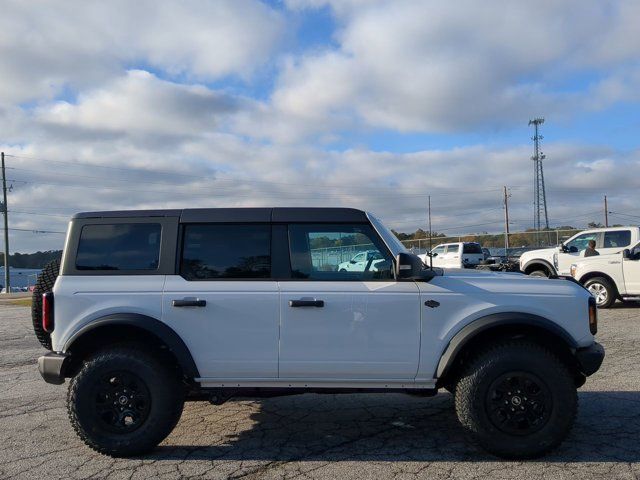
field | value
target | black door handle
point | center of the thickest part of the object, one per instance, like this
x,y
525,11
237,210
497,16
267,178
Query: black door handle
x,y
306,303
189,303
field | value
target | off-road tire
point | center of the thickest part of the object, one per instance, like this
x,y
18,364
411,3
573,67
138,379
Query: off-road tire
x,y
44,284
475,385
610,291
166,400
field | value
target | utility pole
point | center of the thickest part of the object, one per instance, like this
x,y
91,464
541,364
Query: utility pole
x,y
606,212
5,210
506,221
539,194
430,246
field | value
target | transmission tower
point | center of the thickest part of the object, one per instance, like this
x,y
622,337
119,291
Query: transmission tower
x,y
539,195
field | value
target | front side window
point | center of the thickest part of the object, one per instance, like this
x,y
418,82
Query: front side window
x,y
581,241
338,252
219,251
122,246
617,239
439,250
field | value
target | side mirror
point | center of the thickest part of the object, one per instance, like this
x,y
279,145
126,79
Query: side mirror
x,y
409,266
563,248
626,253
352,262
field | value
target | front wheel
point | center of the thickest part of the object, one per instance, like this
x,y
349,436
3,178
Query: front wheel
x,y
539,273
517,399
602,290
124,401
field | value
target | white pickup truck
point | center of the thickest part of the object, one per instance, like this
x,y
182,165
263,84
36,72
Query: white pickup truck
x,y
557,260
609,277
455,255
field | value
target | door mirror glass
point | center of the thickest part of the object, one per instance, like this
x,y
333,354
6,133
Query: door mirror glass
x,y
626,253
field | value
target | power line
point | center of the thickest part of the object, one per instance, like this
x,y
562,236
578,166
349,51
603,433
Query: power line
x,y
32,230
623,214
39,214
217,179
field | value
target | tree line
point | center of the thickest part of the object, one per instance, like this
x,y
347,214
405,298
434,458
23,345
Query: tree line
x,y
35,260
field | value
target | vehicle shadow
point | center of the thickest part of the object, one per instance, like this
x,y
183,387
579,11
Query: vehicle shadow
x,y
622,305
391,427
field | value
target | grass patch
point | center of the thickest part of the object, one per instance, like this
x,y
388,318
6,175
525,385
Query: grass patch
x,y
23,302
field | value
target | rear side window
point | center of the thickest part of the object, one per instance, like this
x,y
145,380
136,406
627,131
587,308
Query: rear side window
x,y
472,248
453,248
122,246
218,251
621,238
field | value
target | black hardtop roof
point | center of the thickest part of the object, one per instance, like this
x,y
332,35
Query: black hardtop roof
x,y
237,215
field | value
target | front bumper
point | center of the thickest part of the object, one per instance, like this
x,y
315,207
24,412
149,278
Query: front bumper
x,y
51,367
590,358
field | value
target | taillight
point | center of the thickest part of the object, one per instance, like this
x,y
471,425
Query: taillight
x,y
593,316
47,312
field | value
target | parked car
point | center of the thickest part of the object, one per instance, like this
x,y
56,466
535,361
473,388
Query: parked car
x,y
455,255
610,277
367,260
557,261
152,308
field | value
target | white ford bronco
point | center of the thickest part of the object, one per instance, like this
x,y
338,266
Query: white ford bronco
x,y
152,308
547,262
609,277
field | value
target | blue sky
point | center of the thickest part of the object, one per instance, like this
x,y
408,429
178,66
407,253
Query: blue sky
x,y
374,104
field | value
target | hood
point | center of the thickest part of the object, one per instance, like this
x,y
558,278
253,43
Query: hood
x,y
540,253
512,282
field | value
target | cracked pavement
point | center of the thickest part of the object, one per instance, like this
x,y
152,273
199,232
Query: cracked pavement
x,y
374,436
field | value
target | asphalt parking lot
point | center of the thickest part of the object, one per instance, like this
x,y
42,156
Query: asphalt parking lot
x,y
312,436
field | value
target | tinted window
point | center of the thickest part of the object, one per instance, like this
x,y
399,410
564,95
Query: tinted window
x,y
439,250
620,238
226,251
472,248
338,252
453,248
123,246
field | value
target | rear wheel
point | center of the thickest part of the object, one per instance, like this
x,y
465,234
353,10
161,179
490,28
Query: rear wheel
x,y
518,400
602,290
124,401
44,284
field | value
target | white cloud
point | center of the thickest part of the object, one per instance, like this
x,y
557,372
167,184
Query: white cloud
x,y
48,47
448,67
140,104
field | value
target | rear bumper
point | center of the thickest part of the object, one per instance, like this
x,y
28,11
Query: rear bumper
x,y
590,358
51,367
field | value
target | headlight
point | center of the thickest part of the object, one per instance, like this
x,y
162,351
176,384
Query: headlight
x,y
573,270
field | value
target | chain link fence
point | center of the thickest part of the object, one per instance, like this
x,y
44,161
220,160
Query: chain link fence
x,y
517,240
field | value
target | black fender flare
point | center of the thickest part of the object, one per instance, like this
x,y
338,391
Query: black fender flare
x,y
469,331
150,325
542,262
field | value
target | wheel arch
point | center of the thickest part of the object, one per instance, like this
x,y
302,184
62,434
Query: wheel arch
x,y
134,327
531,265
503,326
589,275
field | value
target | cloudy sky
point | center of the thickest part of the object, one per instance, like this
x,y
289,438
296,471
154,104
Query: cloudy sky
x,y
367,103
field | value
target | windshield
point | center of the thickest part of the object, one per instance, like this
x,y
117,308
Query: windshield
x,y
387,235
